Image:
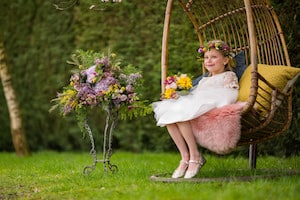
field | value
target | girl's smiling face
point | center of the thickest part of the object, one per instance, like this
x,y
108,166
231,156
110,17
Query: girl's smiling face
x,y
215,62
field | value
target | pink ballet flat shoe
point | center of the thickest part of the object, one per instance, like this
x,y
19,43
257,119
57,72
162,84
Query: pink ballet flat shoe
x,y
192,173
180,172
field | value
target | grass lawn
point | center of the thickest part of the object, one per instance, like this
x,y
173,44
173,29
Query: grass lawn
x,y
52,175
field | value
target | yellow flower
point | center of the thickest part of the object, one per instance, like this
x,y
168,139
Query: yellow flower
x,y
115,86
184,82
81,67
217,45
122,89
169,93
109,90
73,104
67,95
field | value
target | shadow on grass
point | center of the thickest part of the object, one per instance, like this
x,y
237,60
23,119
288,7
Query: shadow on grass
x,y
232,175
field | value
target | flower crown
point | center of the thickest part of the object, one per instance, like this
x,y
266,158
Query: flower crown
x,y
218,45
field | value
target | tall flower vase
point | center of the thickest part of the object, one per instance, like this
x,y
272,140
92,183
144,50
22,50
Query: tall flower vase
x,y
110,124
101,81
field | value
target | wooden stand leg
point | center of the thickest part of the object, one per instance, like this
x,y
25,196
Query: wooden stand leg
x,y
252,156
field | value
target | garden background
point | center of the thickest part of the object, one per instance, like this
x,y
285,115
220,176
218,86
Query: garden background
x,y
39,39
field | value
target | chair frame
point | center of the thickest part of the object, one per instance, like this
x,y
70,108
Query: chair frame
x,y
251,26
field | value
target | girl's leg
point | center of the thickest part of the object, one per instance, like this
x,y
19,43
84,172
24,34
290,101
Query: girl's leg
x,y
187,133
176,135
181,145
185,141
185,129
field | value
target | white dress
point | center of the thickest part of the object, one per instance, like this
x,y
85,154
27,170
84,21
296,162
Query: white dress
x,y
211,92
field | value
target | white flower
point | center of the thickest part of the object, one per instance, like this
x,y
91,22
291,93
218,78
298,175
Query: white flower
x,y
172,85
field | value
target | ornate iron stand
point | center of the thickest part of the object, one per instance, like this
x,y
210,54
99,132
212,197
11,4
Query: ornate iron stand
x,y
111,122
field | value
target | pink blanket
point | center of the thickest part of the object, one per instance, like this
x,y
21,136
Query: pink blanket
x,y
219,130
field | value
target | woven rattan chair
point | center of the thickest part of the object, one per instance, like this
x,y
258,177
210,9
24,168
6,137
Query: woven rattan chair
x,y
250,26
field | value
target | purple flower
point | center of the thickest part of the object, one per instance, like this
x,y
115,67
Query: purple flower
x,y
123,97
122,76
86,95
103,63
201,50
131,79
75,79
129,88
108,74
67,109
91,74
104,84
90,70
131,97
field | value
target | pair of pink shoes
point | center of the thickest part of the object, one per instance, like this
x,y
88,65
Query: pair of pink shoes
x,y
189,173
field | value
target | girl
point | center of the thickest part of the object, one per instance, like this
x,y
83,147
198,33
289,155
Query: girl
x,y
220,88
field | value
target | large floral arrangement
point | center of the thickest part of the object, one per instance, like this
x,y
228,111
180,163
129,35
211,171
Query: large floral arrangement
x,y
102,81
176,85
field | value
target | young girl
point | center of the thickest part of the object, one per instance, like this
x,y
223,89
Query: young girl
x,y
220,88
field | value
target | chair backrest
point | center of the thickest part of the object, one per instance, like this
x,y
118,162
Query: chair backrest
x,y
244,24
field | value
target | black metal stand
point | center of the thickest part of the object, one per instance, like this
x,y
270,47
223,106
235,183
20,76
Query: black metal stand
x,y
252,156
111,122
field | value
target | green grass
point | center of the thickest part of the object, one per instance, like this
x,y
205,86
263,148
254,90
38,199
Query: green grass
x,y
52,175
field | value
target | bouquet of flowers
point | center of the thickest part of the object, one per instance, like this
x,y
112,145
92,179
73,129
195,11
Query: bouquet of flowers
x,y
176,85
100,81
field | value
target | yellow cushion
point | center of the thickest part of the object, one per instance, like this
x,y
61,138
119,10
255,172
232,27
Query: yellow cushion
x,y
277,75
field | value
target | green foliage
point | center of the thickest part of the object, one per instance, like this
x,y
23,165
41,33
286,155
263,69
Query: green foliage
x,y
38,40
85,59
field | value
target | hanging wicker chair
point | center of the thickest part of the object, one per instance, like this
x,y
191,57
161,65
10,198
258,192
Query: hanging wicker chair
x,y
250,26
